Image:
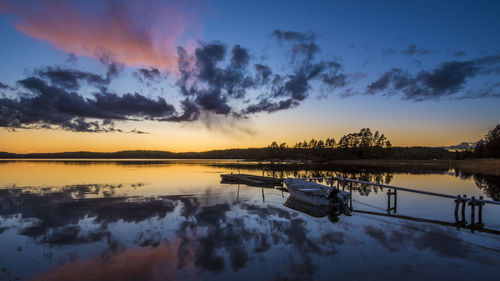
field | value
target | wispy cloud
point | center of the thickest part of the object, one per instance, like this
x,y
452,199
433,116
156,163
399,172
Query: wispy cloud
x,y
136,33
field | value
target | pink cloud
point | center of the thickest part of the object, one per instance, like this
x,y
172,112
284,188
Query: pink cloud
x,y
136,33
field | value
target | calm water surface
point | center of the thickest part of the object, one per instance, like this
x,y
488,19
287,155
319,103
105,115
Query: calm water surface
x,y
174,220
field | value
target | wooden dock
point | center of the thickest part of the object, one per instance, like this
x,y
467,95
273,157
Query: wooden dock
x,y
461,201
251,180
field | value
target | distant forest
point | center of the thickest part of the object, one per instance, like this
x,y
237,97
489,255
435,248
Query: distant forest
x,y
361,145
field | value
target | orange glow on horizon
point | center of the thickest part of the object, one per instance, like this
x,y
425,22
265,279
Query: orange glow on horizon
x,y
197,140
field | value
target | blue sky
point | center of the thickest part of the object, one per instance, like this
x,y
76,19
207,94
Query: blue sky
x,y
446,54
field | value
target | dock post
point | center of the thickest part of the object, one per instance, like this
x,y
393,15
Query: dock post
x,y
472,204
395,200
480,212
389,195
350,200
464,197
388,201
457,203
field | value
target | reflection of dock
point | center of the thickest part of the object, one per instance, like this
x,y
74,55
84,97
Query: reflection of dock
x,y
461,201
251,180
457,224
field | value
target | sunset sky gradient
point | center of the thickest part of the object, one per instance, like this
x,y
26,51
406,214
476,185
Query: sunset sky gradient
x,y
202,75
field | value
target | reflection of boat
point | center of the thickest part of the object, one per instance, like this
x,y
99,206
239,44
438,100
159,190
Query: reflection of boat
x,y
317,211
317,194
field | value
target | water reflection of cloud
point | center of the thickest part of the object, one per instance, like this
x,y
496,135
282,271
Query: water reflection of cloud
x,y
443,241
131,264
208,237
54,212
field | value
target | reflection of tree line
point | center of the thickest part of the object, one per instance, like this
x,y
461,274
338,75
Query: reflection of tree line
x,y
490,184
363,189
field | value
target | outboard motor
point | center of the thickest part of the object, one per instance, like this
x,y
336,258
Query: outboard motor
x,y
342,200
332,193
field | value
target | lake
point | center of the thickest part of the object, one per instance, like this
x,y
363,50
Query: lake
x,y
174,220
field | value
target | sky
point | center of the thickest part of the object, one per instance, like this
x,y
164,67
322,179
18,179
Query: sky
x,y
202,75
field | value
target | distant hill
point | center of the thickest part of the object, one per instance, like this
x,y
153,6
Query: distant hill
x,y
461,147
264,153
6,155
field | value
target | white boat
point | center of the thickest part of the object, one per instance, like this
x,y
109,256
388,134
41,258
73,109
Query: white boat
x,y
317,194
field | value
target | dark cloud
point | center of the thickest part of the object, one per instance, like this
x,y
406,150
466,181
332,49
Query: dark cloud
x,y
70,79
333,78
145,75
129,105
3,86
50,106
71,59
293,36
389,51
308,50
211,83
113,67
208,84
459,53
413,50
489,91
214,79
264,72
135,131
267,106
191,112
447,80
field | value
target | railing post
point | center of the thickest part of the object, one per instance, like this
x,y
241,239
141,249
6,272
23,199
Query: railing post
x,y
480,211
395,200
472,213
457,203
350,200
464,197
389,201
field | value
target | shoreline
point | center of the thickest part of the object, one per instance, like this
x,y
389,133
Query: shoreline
x,y
487,166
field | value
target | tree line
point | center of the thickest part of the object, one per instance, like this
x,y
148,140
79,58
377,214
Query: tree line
x,y
360,145
488,147
363,139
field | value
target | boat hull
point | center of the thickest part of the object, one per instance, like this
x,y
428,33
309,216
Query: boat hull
x,y
315,193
